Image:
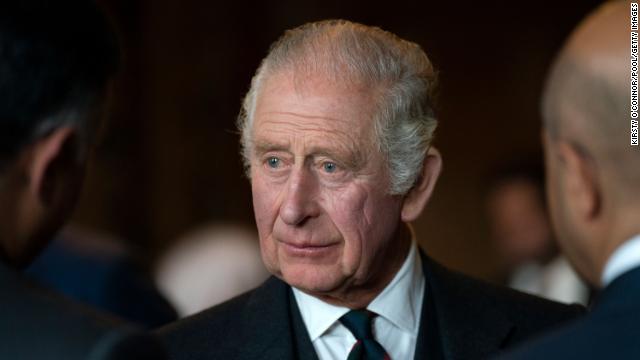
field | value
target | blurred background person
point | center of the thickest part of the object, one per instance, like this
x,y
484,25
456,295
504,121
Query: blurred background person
x,y
522,235
57,59
209,265
102,271
593,184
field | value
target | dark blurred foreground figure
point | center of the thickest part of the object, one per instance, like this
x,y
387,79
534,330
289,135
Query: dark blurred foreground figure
x,y
336,133
521,232
593,178
100,270
56,58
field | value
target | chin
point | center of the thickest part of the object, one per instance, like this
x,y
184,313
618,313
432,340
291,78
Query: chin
x,y
312,279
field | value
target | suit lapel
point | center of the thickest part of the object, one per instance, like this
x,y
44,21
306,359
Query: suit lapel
x,y
457,323
429,343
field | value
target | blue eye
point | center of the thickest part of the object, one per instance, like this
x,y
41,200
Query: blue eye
x,y
273,162
329,167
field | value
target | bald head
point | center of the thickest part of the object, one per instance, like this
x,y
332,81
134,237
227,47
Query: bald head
x,y
586,100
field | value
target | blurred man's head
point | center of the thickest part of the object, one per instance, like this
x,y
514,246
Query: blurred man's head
x,y
593,174
336,135
518,216
56,58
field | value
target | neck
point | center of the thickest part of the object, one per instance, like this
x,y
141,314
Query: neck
x,y
389,263
13,242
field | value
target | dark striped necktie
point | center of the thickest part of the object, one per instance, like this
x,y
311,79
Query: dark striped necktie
x,y
366,347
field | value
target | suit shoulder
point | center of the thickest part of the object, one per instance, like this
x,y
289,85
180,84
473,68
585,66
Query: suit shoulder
x,y
129,345
598,335
248,324
25,305
518,301
73,330
105,337
531,314
216,324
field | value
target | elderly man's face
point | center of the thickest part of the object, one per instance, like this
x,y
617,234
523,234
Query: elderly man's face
x,y
320,186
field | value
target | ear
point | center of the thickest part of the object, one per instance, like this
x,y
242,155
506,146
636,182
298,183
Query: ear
x,y
415,201
584,192
54,162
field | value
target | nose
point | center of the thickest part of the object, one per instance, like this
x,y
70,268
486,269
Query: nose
x,y
300,201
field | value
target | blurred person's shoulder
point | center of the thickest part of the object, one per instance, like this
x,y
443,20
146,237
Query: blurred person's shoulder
x,y
598,336
610,330
577,340
38,323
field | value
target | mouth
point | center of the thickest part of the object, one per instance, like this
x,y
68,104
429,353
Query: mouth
x,y
305,249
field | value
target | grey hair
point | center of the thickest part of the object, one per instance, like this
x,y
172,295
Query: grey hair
x,y
399,71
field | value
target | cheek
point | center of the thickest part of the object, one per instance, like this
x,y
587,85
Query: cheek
x,y
561,218
366,218
265,198
265,201
553,199
346,210
383,215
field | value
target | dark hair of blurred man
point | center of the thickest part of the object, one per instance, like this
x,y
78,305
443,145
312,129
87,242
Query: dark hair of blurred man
x,y
593,185
56,59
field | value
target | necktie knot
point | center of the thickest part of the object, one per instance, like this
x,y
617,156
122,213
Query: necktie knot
x,y
359,323
366,347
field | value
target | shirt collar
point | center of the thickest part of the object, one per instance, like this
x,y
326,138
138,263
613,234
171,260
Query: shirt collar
x,y
318,315
400,302
623,259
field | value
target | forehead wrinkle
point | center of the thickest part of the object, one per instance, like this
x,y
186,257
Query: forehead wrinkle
x,y
281,125
304,116
344,130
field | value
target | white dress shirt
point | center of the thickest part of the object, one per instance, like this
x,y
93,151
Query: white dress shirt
x,y
396,327
623,259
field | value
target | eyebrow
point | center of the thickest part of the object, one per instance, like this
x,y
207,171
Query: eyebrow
x,y
355,160
261,147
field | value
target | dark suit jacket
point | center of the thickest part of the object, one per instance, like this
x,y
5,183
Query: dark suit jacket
x,y
36,324
89,272
610,331
462,318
